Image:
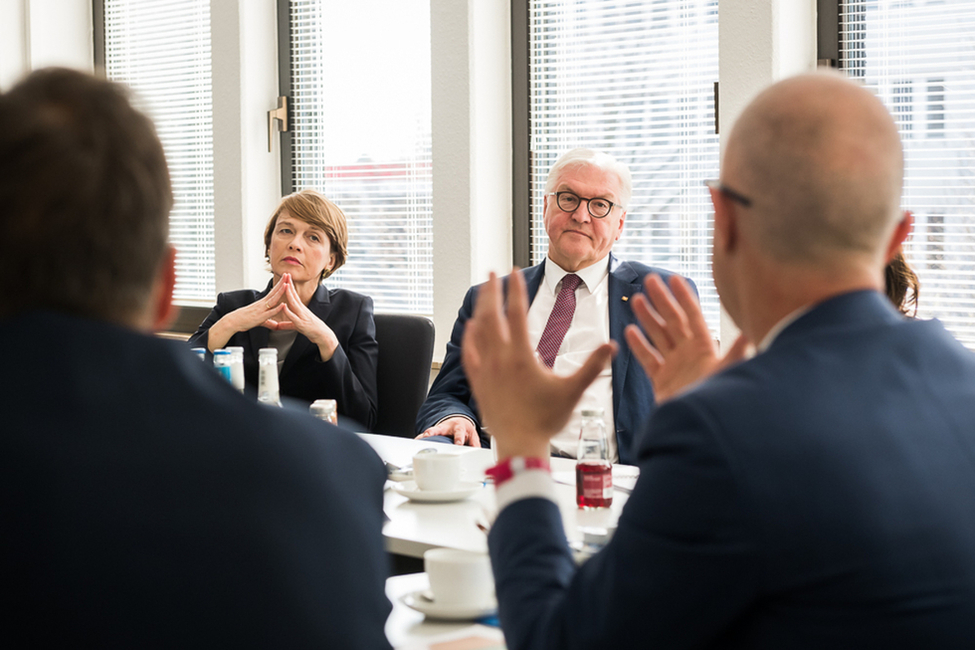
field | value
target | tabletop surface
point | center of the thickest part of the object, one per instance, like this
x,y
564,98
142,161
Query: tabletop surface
x,y
408,629
414,527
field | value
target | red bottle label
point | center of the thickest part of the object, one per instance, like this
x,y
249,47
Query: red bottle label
x,y
594,485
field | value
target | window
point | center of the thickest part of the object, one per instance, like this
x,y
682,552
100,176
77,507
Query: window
x,y
927,46
903,108
634,79
162,50
936,108
360,134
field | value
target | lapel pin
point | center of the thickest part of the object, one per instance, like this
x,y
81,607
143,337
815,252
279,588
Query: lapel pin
x,y
625,298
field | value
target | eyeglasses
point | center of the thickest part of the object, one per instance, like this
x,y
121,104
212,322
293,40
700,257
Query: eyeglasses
x,y
718,186
569,202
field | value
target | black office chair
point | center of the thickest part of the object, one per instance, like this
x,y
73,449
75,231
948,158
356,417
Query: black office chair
x,y
403,375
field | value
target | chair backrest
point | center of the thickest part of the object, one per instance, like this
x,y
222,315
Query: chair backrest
x,y
403,375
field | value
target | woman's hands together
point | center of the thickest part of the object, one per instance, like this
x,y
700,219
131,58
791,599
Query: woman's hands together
x,y
261,313
295,315
280,309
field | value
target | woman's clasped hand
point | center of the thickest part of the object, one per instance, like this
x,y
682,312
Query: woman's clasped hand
x,y
290,313
326,338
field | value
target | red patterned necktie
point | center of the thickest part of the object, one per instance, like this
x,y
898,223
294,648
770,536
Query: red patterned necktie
x,y
559,320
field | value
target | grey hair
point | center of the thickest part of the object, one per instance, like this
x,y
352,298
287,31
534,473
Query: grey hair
x,y
577,158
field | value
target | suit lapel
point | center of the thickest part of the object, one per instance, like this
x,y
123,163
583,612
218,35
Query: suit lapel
x,y
533,280
260,336
623,283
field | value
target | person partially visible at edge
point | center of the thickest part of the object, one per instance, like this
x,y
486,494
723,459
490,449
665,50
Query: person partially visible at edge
x,y
902,285
146,502
817,495
585,203
326,338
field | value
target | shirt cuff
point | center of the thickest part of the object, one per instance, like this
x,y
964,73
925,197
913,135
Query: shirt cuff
x,y
457,415
527,484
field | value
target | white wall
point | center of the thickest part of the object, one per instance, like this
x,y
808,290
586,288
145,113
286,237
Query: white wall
x,y
40,33
14,42
759,42
471,86
246,176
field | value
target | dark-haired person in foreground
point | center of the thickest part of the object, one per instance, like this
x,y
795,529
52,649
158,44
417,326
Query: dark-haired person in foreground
x,y
146,502
817,495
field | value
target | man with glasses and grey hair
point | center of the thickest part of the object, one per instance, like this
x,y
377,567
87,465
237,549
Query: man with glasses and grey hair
x,y
579,301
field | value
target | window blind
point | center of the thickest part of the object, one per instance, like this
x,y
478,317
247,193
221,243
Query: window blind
x,y
634,79
919,56
361,124
161,48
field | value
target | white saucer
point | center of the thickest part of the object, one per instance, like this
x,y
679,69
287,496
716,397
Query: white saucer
x,y
421,602
464,489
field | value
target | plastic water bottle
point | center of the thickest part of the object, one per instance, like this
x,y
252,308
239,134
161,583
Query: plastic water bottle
x,y
267,385
237,367
200,352
221,361
594,472
325,409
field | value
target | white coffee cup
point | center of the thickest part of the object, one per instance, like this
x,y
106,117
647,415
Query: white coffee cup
x,y
439,472
460,578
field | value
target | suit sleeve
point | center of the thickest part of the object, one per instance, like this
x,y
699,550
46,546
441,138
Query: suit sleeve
x,y
351,372
680,569
450,393
201,337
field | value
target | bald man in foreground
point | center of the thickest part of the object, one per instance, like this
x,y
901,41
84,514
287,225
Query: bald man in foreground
x,y
818,495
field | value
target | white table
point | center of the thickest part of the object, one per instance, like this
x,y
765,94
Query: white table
x,y
408,629
415,527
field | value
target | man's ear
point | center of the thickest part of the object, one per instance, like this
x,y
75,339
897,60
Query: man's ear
x,y
725,223
901,232
164,311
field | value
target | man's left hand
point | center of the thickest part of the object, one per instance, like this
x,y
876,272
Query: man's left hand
x,y
683,352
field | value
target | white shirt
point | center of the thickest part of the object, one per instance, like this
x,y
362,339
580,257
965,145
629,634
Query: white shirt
x,y
589,329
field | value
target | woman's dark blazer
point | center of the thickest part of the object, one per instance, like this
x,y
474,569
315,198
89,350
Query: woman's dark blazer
x,y
349,377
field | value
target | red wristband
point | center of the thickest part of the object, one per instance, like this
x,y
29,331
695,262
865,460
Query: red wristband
x,y
510,467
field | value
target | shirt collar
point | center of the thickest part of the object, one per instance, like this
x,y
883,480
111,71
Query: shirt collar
x,y
779,327
591,276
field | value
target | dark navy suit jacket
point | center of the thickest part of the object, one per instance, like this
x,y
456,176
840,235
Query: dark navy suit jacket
x,y
819,495
349,377
632,393
148,503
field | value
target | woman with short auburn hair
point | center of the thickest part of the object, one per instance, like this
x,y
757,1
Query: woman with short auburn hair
x,y
326,338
